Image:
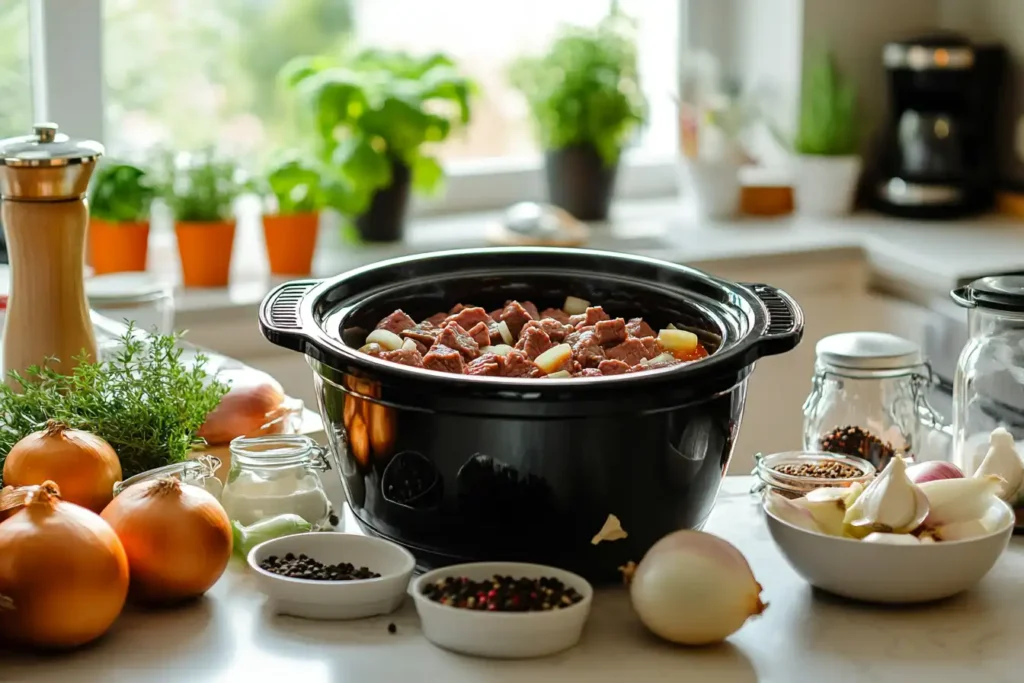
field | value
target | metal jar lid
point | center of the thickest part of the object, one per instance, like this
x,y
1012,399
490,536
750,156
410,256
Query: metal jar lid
x,y
868,351
46,165
999,292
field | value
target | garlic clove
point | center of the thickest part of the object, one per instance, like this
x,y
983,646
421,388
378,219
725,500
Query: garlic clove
x,y
891,539
960,500
1003,461
959,531
828,514
845,494
890,504
789,512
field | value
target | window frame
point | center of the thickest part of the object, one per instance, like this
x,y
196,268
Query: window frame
x,y
66,40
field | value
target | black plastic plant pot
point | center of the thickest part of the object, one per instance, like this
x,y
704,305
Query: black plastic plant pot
x,y
498,468
580,182
384,221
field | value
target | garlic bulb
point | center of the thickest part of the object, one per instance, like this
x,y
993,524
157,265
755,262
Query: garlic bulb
x,y
960,500
1002,461
891,503
891,539
789,512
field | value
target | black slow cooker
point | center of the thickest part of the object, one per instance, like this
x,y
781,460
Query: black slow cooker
x,y
463,468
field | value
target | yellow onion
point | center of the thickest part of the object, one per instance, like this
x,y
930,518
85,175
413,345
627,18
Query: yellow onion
x,y
694,588
63,571
254,406
83,465
177,538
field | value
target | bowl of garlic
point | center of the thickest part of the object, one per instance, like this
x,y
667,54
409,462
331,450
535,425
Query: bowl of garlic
x,y
894,540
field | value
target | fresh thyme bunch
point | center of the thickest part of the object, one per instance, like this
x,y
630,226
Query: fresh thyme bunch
x,y
144,401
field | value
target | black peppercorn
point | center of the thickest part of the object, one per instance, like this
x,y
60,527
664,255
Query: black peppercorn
x,y
303,567
392,628
503,594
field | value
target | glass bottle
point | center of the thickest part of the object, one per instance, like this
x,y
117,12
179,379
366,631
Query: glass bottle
x,y
868,399
988,388
276,475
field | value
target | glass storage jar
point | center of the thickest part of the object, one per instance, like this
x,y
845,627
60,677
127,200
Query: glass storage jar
x,y
201,472
868,400
276,475
988,388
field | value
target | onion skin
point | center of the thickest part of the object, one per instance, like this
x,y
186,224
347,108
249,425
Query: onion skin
x,y
694,588
64,572
84,466
253,406
933,471
177,538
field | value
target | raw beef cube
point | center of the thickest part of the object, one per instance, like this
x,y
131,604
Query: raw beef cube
x,y
396,322
631,351
533,341
405,357
610,332
587,350
496,314
554,329
612,367
424,333
575,335
515,316
638,328
518,365
481,333
436,320
594,315
455,309
496,337
577,320
589,372
454,337
652,345
531,308
555,314
468,317
488,364
444,359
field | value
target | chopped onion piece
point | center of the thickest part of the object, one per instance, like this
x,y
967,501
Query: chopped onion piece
x,y
554,358
388,340
409,345
506,334
670,326
373,349
497,349
561,374
678,340
575,306
659,359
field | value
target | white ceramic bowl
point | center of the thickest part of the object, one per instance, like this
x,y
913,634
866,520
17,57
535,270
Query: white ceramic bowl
x,y
335,599
875,572
504,635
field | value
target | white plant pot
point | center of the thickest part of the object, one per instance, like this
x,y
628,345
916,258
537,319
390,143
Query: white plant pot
x,y
714,186
825,185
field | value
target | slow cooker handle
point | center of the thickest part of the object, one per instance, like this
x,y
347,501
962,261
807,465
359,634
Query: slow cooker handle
x,y
280,318
784,325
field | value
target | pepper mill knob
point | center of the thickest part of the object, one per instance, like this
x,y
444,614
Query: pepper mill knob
x,y
47,132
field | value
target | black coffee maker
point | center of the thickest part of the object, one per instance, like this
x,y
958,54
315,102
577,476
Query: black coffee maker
x,y
937,156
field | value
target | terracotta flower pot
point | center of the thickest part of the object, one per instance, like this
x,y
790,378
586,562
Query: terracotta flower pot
x,y
117,247
291,241
205,251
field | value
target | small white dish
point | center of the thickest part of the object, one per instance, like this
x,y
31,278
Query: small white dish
x,y
895,574
335,599
502,635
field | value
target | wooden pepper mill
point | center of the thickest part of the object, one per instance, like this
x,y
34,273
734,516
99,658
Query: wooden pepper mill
x,y
43,182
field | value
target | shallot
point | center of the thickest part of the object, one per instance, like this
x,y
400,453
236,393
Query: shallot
x,y
694,588
933,471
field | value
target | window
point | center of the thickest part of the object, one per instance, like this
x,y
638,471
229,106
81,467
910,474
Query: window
x,y
15,73
189,73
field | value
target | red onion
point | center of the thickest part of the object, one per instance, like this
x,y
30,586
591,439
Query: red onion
x,y
933,470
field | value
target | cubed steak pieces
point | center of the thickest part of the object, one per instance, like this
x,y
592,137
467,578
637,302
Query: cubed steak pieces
x,y
587,350
612,367
397,322
533,340
444,359
469,316
631,352
515,316
636,327
405,357
518,365
453,336
490,364
610,332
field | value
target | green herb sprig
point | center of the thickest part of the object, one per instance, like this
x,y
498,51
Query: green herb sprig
x,y
144,401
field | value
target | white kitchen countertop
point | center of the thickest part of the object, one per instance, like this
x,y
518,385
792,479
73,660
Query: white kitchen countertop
x,y
803,636
918,259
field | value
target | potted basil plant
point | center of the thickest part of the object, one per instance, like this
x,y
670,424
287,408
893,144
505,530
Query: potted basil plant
x,y
120,198
375,117
585,98
293,188
200,191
